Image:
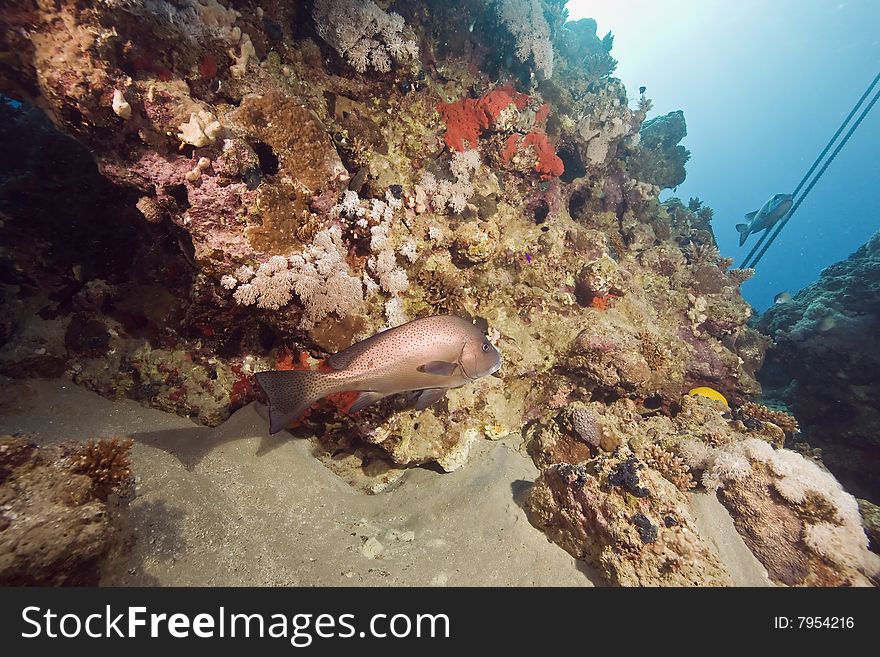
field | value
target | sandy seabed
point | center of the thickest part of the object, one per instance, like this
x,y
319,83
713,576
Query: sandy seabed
x,y
231,506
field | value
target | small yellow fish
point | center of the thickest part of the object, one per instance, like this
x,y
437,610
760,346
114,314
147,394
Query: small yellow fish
x,y
429,355
711,393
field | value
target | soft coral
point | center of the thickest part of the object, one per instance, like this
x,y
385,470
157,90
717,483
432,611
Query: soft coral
x,y
466,118
548,164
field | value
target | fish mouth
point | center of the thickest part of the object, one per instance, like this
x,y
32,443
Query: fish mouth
x,y
467,375
489,372
474,377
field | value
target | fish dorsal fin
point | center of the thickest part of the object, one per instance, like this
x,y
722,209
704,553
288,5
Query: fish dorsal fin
x,y
751,215
439,367
341,360
429,396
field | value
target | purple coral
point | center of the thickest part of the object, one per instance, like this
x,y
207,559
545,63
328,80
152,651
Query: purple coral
x,y
612,193
598,343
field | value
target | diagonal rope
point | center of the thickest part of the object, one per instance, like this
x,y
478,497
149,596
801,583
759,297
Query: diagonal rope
x,y
814,181
766,233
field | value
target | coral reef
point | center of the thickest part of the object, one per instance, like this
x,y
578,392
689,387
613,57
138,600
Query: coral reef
x,y
254,188
660,158
58,521
642,539
824,366
793,515
309,203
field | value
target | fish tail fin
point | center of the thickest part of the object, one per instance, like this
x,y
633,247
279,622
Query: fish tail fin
x,y
743,233
291,393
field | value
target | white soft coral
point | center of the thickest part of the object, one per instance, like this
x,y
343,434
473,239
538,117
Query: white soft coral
x,y
525,21
319,276
362,33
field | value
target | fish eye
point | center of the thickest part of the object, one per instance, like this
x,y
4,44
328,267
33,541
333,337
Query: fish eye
x,y
485,346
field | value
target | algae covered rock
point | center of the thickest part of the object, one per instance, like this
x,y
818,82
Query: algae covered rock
x,y
660,159
476,241
630,523
59,510
792,514
600,278
825,366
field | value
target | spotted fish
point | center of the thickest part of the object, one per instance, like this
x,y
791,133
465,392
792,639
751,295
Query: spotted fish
x,y
428,355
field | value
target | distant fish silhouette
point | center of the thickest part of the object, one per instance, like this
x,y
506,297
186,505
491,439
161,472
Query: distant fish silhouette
x,y
769,213
782,297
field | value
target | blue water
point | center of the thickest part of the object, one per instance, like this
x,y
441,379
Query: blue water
x,y
763,85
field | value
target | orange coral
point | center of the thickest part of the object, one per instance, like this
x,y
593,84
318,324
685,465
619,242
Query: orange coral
x,y
548,163
285,361
510,146
603,302
466,118
543,113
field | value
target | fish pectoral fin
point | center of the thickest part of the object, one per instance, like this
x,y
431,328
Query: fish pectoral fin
x,y
365,399
751,215
439,367
429,396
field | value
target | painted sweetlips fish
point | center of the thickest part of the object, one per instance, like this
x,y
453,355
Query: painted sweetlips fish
x,y
772,211
428,355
